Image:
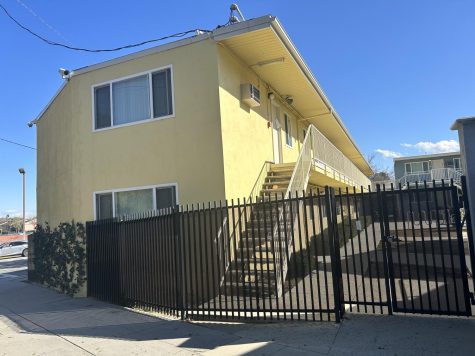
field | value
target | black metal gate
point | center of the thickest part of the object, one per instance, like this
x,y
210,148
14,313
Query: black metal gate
x,y
404,251
310,256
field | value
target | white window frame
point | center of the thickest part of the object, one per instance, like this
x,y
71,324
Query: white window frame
x,y
110,82
113,191
288,132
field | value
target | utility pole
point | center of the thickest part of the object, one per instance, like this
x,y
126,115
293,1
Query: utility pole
x,y
23,173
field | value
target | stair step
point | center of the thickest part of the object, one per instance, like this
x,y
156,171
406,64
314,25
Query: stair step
x,y
265,255
251,290
273,191
278,185
262,279
258,266
278,178
280,172
280,165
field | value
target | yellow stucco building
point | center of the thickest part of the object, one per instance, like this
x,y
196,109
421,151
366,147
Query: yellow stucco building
x,y
222,115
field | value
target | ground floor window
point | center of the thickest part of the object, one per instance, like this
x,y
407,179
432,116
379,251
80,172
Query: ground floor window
x,y
122,202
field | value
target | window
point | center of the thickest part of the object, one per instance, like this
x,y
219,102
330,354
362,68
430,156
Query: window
x,y
102,107
133,201
125,202
104,206
143,97
288,135
418,167
165,197
130,100
457,164
426,166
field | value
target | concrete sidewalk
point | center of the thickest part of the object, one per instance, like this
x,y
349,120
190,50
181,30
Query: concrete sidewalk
x,y
38,321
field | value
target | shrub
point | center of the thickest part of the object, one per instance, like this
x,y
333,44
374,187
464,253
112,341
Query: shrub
x,y
58,257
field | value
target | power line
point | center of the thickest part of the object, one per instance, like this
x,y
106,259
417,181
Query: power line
x,y
53,43
16,143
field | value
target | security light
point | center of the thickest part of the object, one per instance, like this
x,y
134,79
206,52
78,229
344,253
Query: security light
x,y
65,73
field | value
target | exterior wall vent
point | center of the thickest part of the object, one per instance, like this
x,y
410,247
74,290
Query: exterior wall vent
x,y
250,95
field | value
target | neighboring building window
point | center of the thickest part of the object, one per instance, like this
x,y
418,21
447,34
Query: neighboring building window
x,y
457,164
144,97
288,133
426,166
133,201
418,167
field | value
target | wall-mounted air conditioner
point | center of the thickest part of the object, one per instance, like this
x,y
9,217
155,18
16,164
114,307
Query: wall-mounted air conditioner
x,y
250,95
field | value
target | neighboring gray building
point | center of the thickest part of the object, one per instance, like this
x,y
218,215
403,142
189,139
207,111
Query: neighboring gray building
x,y
412,169
466,131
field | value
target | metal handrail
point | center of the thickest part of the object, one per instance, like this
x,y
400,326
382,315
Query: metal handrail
x,y
298,183
222,231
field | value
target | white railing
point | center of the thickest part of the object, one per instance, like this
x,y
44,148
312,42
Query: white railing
x,y
332,161
300,175
436,174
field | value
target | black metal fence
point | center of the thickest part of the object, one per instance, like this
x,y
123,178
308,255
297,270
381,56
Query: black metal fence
x,y
307,256
407,254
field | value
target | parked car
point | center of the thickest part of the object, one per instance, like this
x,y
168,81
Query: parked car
x,y
14,248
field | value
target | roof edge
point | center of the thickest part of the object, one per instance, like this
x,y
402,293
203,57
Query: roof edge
x,y
442,154
308,73
460,121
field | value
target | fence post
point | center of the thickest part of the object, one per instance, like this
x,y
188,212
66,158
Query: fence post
x,y
387,251
461,250
337,276
468,222
179,258
88,258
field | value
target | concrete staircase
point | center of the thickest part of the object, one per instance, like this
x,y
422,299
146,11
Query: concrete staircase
x,y
252,272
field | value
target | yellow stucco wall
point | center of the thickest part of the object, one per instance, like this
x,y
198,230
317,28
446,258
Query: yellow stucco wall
x,y
213,148
74,161
247,137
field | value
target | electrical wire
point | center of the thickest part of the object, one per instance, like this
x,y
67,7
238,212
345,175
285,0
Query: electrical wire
x,y
53,43
16,143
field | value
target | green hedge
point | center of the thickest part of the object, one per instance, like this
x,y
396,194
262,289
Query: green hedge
x,y
58,257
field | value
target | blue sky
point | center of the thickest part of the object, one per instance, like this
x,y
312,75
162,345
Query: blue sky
x,y
398,72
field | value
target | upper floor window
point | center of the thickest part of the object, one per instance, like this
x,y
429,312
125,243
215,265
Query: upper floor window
x,y
457,164
418,167
143,97
288,133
